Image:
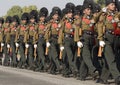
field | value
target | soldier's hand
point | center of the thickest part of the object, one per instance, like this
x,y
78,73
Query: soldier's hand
x,y
27,45
117,20
48,44
79,44
2,44
102,43
104,9
8,45
35,45
62,48
17,45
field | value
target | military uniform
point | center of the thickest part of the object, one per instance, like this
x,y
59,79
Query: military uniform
x,y
107,21
52,40
87,38
13,29
6,40
1,33
41,29
31,41
21,39
66,39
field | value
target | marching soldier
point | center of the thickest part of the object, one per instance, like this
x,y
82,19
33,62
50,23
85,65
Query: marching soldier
x,y
13,28
21,39
32,42
51,36
41,40
1,33
1,38
106,39
86,42
117,38
66,40
6,40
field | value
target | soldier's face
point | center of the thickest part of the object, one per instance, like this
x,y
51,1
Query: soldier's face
x,y
76,16
42,18
7,24
87,11
14,23
111,6
24,21
55,16
32,20
69,15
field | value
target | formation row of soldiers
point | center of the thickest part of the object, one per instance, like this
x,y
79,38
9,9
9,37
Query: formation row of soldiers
x,y
67,41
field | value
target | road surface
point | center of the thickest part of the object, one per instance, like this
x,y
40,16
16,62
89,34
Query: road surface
x,y
15,76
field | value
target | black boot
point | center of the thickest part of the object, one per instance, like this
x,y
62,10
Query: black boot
x,y
117,81
102,81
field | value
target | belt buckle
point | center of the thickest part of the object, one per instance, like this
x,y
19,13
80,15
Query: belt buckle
x,y
66,35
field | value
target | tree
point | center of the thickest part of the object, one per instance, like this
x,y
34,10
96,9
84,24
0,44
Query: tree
x,y
100,2
15,10
29,8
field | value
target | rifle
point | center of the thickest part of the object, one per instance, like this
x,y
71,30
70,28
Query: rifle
x,y
60,56
1,49
78,52
35,54
26,52
46,51
16,49
100,51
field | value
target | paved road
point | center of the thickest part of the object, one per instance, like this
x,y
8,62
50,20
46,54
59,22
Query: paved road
x,y
14,76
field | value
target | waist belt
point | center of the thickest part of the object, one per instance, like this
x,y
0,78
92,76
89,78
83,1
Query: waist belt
x,y
41,35
88,32
21,35
12,35
67,35
54,36
109,31
31,37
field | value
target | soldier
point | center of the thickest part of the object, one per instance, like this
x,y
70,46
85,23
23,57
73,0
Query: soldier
x,y
106,39
1,38
117,38
1,33
22,33
53,28
41,40
6,40
86,42
66,40
13,28
77,33
32,42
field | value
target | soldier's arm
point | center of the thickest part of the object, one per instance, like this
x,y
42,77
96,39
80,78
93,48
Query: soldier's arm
x,y
76,27
35,36
8,36
26,35
61,34
17,34
47,32
101,27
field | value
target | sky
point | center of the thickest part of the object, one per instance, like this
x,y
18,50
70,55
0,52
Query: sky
x,y
5,5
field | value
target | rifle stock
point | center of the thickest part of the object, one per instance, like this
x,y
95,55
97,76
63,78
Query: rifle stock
x,y
100,51
1,49
60,56
78,52
16,49
35,53
46,51
26,51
